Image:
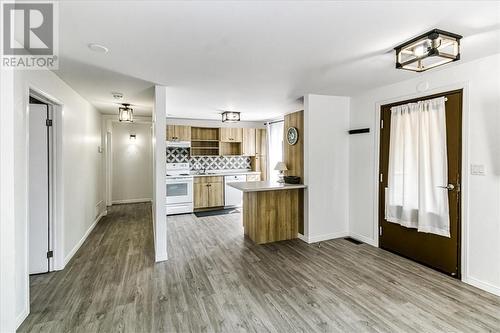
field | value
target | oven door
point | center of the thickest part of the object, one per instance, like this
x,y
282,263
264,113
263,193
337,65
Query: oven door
x,y
179,190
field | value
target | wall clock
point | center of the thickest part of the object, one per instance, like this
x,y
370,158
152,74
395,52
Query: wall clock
x,y
292,135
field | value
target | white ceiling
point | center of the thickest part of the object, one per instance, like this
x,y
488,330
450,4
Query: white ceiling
x,y
258,57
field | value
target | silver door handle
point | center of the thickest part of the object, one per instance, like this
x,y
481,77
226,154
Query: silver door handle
x,y
449,187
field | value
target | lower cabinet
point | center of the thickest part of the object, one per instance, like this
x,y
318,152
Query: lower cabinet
x,y
208,192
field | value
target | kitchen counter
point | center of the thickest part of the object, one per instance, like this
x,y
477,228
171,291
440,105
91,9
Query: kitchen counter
x,y
271,211
265,186
212,173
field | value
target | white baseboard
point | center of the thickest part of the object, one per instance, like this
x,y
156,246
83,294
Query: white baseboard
x,y
321,238
302,237
87,233
363,239
21,317
129,201
486,286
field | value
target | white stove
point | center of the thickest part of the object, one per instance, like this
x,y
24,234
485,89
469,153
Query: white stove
x,y
179,184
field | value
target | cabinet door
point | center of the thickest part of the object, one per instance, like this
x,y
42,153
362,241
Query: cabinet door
x,y
237,134
248,143
230,134
216,195
170,132
260,141
225,134
182,133
200,195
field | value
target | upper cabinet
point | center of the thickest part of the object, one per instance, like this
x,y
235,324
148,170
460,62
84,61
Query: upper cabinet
x,y
249,142
229,134
178,133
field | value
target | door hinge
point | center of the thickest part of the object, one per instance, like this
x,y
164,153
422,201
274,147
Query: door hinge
x,y
381,177
380,231
48,122
50,254
381,123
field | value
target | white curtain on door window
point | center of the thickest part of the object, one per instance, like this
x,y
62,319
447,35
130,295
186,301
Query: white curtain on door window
x,y
416,196
275,148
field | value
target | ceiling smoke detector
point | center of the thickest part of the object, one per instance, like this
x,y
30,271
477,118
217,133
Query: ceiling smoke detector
x,y
98,48
117,95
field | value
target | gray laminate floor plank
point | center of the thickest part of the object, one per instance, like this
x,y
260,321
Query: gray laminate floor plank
x,y
217,281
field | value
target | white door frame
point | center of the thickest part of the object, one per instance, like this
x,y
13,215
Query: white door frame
x,y
464,193
107,135
56,184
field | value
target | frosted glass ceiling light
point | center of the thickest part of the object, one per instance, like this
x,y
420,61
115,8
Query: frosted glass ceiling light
x,y
432,49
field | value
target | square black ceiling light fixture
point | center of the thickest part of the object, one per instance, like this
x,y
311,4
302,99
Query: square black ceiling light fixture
x,y
125,113
230,117
432,49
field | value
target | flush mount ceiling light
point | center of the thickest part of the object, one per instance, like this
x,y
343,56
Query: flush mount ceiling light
x,y
125,113
98,48
432,49
230,117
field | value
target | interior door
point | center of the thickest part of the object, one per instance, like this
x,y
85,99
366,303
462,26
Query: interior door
x,y
440,253
39,190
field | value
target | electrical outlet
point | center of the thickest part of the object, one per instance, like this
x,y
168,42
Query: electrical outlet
x,y
477,169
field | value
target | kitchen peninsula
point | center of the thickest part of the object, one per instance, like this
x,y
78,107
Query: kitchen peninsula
x,y
271,211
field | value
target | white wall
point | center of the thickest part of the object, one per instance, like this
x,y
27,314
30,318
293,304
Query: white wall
x,y
132,163
159,173
7,216
81,172
326,169
481,135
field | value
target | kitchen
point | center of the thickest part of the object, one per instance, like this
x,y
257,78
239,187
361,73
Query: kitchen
x,y
202,161
254,171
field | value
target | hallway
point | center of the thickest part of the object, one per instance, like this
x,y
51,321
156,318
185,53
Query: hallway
x,y
216,281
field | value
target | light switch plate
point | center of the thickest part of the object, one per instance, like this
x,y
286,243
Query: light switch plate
x,y
477,169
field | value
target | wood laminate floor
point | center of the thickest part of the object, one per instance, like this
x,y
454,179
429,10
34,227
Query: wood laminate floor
x,y
217,281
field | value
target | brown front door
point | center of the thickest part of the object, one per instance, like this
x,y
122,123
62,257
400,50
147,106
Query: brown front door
x,y
438,252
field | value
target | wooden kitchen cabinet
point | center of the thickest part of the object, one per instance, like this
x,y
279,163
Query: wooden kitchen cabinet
x,y
216,195
178,133
208,192
248,143
231,134
200,195
259,161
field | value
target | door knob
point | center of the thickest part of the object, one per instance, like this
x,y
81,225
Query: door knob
x,y
449,187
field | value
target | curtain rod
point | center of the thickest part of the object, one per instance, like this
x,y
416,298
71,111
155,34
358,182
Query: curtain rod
x,y
273,122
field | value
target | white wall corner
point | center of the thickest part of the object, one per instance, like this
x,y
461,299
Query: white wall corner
x,y
9,319
159,172
324,237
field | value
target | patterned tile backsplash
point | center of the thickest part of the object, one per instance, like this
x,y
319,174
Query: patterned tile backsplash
x,y
181,155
